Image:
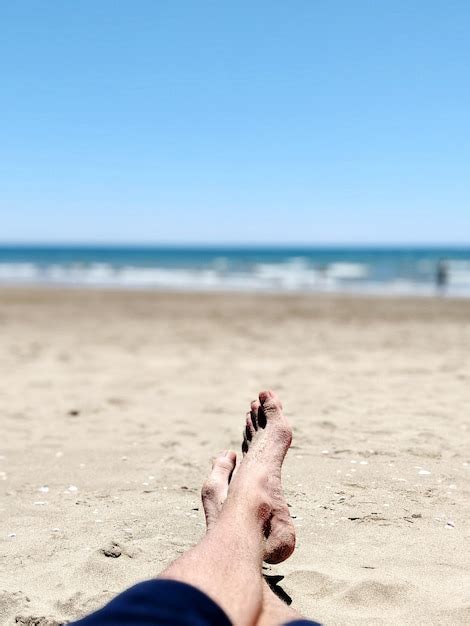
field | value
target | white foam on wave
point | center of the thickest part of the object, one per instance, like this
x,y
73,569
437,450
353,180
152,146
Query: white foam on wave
x,y
348,271
11,272
459,273
294,275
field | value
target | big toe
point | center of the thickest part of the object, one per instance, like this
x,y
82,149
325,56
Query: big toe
x,y
223,465
270,403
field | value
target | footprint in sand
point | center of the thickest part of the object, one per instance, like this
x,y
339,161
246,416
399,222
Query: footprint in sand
x,y
312,583
375,593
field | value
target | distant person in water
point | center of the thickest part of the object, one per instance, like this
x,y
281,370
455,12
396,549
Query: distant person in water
x,y
219,582
442,275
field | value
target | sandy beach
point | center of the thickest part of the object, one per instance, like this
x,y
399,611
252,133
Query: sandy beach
x,y
113,403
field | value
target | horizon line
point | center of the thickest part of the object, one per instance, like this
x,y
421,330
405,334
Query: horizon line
x,y
233,245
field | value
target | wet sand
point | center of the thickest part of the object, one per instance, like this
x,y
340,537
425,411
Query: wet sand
x,y
112,405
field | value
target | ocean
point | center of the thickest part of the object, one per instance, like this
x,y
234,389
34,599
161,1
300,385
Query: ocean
x,y
359,270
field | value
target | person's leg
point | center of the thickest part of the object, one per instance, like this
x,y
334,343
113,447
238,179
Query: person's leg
x,y
214,493
274,611
226,564
281,540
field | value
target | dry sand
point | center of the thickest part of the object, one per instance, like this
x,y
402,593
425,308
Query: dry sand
x,y
112,405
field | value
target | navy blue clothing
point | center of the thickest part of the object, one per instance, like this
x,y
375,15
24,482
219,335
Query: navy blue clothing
x,y
163,603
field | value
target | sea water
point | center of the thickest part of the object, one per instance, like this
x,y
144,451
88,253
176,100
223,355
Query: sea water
x,y
380,270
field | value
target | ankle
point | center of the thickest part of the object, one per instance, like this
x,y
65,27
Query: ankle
x,y
250,496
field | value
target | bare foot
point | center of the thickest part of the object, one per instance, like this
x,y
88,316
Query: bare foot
x,y
214,490
267,438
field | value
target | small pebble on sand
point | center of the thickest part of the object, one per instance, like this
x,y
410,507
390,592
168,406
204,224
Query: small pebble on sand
x,y
72,488
44,489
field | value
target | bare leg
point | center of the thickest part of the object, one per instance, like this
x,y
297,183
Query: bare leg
x,y
214,493
281,540
275,612
226,564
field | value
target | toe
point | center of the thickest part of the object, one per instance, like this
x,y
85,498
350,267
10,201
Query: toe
x,y
249,429
261,417
270,403
244,443
254,413
232,456
224,464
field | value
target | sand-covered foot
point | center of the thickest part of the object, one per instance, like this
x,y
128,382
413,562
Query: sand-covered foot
x,y
266,439
264,448
214,490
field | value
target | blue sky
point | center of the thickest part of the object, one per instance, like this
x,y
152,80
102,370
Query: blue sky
x,y
266,121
